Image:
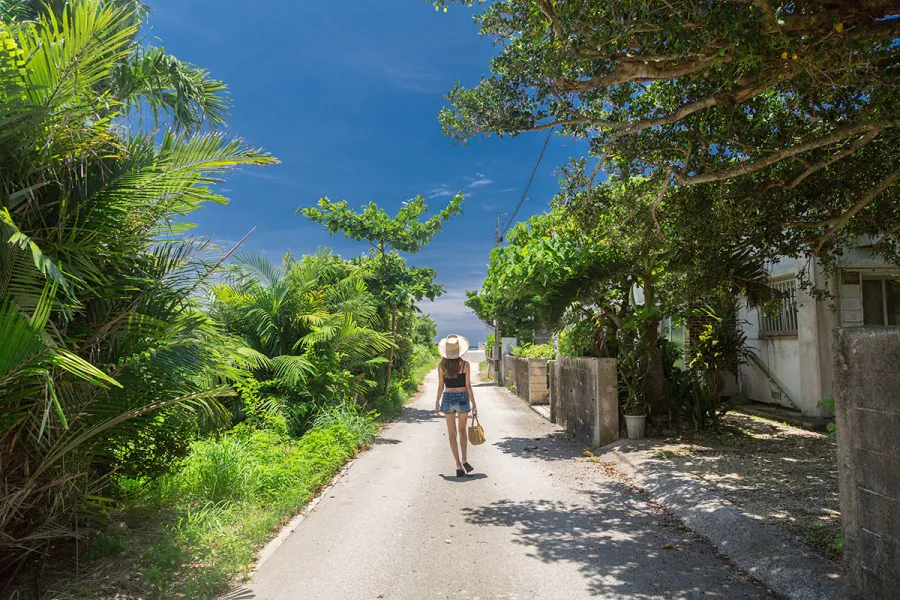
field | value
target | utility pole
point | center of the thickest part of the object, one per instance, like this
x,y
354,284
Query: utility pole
x,y
496,358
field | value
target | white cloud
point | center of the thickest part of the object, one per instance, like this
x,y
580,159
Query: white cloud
x,y
439,192
398,71
481,182
453,316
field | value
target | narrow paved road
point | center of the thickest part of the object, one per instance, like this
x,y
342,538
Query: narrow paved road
x,y
535,523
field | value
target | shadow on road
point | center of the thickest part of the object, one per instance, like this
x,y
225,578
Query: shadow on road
x,y
240,593
386,441
455,479
623,547
412,414
555,446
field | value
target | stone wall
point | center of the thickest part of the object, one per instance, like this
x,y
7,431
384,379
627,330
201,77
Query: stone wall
x,y
529,378
584,398
867,401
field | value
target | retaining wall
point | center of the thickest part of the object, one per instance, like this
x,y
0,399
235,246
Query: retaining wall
x,y
867,407
528,376
584,398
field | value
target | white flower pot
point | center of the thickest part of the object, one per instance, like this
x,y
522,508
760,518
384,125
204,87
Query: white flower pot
x,y
635,426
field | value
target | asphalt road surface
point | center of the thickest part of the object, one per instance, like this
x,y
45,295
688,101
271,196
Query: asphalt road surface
x,y
535,522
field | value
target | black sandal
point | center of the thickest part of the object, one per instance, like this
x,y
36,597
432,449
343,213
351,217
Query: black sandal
x,y
460,473
469,468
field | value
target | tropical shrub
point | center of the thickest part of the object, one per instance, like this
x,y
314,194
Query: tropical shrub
x,y
535,351
227,495
721,346
107,356
633,367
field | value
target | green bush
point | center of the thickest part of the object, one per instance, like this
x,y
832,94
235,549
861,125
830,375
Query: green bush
x,y
827,404
224,499
390,403
535,351
352,417
689,397
580,339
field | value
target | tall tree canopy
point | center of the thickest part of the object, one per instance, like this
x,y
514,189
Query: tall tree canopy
x,y
407,232
784,114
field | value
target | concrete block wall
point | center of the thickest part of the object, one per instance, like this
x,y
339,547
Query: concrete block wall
x,y
584,398
528,376
538,386
867,404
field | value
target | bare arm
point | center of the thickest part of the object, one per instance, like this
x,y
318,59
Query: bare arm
x,y
437,401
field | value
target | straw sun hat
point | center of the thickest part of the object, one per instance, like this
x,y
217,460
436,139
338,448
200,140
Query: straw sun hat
x,y
453,346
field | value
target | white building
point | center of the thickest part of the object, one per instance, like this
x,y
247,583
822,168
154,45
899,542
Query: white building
x,y
794,362
794,348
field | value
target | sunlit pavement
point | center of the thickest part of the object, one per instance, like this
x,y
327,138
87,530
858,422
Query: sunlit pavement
x,y
533,523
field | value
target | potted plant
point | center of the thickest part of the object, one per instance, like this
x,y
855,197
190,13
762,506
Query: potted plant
x,y
633,366
635,409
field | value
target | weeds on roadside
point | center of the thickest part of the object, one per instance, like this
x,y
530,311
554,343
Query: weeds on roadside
x,y
825,538
230,492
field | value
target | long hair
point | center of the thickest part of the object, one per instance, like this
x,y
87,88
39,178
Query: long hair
x,y
451,366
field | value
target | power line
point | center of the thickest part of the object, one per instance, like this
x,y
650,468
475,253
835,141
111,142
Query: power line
x,y
528,186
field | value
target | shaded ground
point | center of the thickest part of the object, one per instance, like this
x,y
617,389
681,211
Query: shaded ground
x,y
782,473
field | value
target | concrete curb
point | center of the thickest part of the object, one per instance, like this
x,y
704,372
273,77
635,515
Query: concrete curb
x,y
784,565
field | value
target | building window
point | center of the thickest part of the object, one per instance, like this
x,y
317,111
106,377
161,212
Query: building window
x,y
869,300
781,320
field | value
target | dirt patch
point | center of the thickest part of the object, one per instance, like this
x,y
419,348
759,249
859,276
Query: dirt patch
x,y
786,475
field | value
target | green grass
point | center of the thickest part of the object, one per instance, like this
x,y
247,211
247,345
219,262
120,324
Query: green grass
x,y
200,526
231,493
390,404
424,368
828,540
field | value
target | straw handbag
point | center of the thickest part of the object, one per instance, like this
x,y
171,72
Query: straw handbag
x,y
476,432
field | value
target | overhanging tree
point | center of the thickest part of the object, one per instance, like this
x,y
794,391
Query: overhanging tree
x,y
397,284
584,261
785,112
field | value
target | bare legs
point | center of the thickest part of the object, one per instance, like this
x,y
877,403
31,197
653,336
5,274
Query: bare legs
x,y
461,420
457,423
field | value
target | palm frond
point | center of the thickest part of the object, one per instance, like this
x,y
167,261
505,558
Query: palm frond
x,y
160,81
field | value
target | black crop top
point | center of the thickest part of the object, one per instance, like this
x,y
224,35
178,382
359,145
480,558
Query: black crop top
x,y
458,381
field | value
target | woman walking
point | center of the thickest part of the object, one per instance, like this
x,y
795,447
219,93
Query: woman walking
x,y
455,398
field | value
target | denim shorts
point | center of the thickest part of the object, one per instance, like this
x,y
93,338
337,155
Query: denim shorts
x,y
455,402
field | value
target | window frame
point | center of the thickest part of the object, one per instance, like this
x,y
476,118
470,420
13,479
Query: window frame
x,y
862,274
790,312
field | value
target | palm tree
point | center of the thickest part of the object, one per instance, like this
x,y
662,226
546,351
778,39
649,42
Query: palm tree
x,y
98,289
292,316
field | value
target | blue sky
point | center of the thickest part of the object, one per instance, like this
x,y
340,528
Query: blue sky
x,y
346,95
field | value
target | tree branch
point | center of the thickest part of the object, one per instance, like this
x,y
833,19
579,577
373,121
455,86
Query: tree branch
x,y
575,120
867,199
752,166
660,197
723,99
634,71
864,140
546,8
